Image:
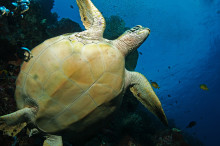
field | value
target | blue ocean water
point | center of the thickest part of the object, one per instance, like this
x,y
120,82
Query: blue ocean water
x,y
182,52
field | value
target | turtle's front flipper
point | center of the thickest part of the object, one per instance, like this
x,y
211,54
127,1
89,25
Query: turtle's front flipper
x,y
53,140
13,123
91,17
142,90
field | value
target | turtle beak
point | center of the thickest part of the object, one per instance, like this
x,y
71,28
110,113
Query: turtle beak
x,y
148,29
140,30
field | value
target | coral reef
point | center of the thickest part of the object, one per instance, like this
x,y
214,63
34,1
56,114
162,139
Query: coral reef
x,y
115,26
169,138
36,26
16,7
63,26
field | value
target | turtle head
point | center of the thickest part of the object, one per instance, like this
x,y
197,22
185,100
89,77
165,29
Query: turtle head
x,y
131,39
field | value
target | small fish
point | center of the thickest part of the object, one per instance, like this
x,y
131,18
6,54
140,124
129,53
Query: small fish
x,y
23,1
4,10
15,5
169,67
140,53
169,95
203,87
155,85
26,49
191,124
71,6
27,54
24,8
7,11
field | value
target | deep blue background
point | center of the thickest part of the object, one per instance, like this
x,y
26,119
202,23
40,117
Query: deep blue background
x,y
185,35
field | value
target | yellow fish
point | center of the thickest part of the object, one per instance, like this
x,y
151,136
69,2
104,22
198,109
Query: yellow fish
x,y
155,85
204,87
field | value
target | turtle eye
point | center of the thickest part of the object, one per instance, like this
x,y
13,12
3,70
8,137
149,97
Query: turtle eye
x,y
135,28
138,26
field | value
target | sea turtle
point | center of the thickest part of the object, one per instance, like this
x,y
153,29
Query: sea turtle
x,y
78,79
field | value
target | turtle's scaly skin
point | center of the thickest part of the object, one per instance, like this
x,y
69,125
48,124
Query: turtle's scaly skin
x,y
67,79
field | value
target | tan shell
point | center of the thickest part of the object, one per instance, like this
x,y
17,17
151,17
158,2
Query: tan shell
x,y
68,80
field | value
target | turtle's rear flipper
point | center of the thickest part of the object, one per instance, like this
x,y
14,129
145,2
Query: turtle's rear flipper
x,y
12,130
13,123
